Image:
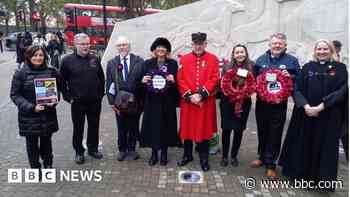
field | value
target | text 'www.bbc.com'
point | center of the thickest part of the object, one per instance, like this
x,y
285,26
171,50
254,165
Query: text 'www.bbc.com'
x,y
251,183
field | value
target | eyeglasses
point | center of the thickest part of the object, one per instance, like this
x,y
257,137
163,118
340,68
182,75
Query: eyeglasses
x,y
122,45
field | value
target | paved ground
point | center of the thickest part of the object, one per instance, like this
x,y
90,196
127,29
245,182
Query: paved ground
x,y
129,178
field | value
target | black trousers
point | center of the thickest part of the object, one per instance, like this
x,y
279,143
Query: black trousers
x,y
128,131
226,139
39,146
203,149
163,150
270,120
92,112
1,47
345,141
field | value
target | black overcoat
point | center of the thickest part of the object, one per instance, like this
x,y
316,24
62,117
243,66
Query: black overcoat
x,y
159,123
42,123
310,150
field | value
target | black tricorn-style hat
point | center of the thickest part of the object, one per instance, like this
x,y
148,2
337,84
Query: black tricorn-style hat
x,y
160,41
199,37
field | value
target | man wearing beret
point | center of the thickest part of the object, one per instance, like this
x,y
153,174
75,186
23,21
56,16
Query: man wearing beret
x,y
197,79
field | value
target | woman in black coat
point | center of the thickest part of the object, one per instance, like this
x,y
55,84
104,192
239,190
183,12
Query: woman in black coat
x,y
229,120
159,124
37,122
311,147
53,49
19,49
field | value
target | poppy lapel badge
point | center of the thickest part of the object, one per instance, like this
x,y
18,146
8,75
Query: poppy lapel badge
x,y
331,70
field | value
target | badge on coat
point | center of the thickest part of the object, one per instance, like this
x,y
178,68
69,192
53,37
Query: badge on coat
x,y
93,63
283,67
331,70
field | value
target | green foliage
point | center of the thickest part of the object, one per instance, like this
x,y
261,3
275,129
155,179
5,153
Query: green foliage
x,y
54,8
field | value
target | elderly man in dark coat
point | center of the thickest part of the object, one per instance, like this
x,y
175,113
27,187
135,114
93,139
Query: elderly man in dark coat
x,y
119,72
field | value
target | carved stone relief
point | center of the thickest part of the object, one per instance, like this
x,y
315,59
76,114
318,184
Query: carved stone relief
x,y
228,22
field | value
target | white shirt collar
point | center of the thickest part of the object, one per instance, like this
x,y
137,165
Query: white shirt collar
x,y
128,57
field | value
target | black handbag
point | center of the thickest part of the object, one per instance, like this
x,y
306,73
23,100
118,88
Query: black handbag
x,y
124,101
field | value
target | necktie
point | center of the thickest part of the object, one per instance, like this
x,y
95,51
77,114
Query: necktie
x,y
126,70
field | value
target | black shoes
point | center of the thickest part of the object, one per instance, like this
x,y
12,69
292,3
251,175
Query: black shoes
x,y
224,162
234,162
96,155
121,156
154,159
205,165
163,159
47,166
133,155
79,159
184,161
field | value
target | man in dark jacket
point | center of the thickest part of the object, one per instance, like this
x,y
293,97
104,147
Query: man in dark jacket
x,y
345,128
83,87
1,38
119,72
271,117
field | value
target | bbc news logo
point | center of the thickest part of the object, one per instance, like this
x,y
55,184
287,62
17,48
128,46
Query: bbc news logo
x,y
52,176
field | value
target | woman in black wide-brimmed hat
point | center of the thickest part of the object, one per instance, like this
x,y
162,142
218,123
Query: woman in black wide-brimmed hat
x,y
157,76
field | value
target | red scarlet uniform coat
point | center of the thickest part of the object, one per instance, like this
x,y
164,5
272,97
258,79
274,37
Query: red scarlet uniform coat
x,y
198,123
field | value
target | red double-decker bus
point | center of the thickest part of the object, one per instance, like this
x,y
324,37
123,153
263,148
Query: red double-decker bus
x,y
89,19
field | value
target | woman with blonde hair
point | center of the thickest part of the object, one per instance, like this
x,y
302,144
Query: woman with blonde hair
x,y
157,76
310,150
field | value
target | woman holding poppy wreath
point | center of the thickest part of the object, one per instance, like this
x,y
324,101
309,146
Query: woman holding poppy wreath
x,y
229,120
310,150
159,124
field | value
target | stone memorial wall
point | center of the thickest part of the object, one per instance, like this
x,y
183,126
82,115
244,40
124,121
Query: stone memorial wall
x,y
229,22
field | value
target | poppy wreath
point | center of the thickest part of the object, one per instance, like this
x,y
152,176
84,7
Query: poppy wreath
x,y
162,71
237,89
285,89
120,71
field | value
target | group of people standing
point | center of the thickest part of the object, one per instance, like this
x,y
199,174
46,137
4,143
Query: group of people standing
x,y
52,42
158,85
